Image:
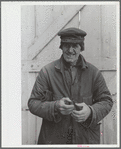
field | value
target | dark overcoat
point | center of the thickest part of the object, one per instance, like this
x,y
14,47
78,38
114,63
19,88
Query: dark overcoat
x,y
89,87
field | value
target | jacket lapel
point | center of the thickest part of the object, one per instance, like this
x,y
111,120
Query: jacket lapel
x,y
60,68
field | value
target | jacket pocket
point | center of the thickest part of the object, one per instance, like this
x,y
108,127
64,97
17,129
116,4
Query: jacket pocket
x,y
94,135
88,100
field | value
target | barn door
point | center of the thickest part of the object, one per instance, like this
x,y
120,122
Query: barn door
x,y
42,47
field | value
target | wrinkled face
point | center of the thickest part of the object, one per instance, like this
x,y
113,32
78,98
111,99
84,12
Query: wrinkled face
x,y
71,52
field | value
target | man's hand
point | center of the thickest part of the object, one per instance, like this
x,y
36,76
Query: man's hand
x,y
82,115
65,106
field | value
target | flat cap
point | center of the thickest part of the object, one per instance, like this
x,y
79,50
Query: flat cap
x,y
72,35
72,31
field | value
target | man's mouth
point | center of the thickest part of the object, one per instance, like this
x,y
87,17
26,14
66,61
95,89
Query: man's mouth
x,y
68,54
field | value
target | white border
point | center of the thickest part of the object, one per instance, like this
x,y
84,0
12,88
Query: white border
x,y
11,72
118,73
61,3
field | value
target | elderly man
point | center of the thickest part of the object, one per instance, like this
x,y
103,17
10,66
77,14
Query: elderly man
x,y
70,95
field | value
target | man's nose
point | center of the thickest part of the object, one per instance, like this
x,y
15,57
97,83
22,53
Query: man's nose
x,y
71,49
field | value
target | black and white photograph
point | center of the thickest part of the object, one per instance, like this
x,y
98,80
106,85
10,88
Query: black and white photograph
x,y
69,69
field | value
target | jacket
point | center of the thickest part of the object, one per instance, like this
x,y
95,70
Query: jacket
x,y
89,87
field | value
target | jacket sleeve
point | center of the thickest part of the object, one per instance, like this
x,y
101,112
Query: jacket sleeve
x,y
41,100
102,101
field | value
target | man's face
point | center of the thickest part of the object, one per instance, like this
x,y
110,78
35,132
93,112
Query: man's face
x,y
71,52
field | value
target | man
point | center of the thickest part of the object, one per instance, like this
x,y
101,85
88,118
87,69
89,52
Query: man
x,y
70,95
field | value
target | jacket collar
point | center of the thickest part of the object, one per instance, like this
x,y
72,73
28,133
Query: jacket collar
x,y
82,63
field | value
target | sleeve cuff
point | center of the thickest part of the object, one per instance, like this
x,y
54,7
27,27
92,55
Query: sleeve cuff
x,y
56,115
89,120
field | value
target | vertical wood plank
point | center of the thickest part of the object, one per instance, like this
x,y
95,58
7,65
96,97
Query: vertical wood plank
x,y
44,17
24,127
28,128
101,133
114,117
24,95
31,81
27,29
90,22
28,34
39,124
108,13
28,119
110,126
31,117
31,128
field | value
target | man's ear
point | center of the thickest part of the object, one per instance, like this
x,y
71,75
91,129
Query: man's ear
x,y
80,48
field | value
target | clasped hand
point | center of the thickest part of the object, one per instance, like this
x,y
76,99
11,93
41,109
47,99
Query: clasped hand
x,y
82,115
66,107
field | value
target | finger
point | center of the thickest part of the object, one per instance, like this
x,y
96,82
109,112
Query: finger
x,y
77,116
65,104
78,112
65,112
78,119
74,115
79,106
61,109
67,99
68,111
71,107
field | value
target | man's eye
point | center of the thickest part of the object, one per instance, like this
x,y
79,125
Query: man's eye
x,y
66,45
74,46
70,45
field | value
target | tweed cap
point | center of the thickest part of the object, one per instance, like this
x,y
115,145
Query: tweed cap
x,y
72,35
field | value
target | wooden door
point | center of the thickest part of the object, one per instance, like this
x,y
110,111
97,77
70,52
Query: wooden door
x,y
41,23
